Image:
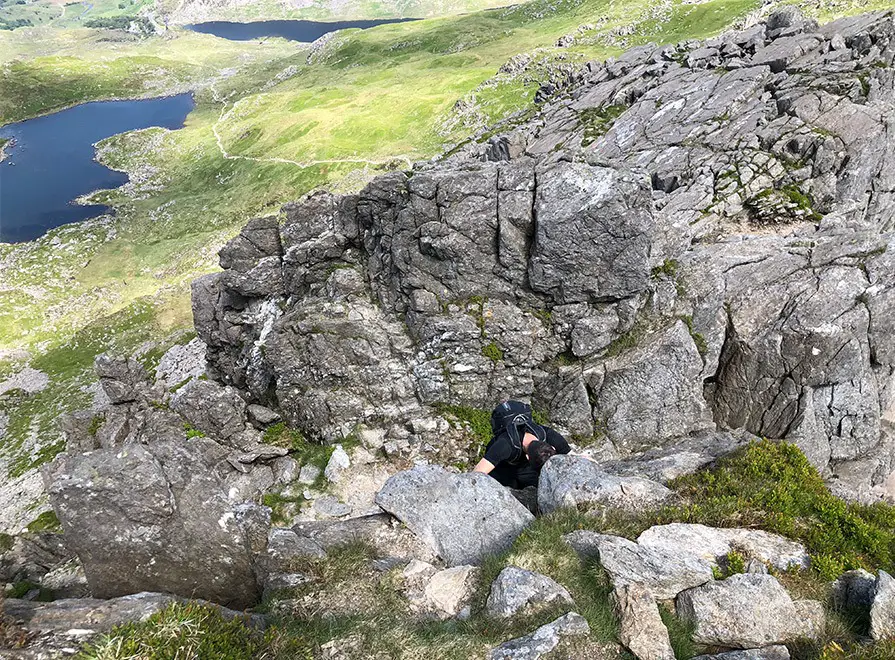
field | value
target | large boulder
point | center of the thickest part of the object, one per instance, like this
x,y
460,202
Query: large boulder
x,y
666,574
713,544
518,591
569,481
543,640
156,518
882,610
462,517
746,611
640,627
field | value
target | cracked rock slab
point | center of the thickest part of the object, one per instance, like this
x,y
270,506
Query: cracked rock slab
x,y
712,544
666,574
518,591
745,611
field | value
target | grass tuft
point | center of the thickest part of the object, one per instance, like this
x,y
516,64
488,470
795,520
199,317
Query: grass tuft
x,y
181,630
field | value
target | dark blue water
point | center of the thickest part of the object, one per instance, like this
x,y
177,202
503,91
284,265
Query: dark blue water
x,y
293,30
52,162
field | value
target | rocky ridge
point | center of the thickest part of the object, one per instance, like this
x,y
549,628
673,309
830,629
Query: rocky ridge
x,y
614,243
691,248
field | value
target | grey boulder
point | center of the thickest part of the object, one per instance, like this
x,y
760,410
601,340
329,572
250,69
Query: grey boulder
x,y
666,574
745,611
518,591
854,590
462,517
569,481
156,518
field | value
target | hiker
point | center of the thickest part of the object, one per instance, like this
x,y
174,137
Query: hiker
x,y
519,447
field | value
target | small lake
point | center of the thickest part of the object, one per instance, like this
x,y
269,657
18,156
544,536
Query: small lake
x,y
52,161
306,31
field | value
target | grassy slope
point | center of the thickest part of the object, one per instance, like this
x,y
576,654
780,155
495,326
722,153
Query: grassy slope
x,y
766,485
373,95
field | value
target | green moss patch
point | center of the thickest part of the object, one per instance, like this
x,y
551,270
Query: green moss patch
x,y
598,121
45,522
493,352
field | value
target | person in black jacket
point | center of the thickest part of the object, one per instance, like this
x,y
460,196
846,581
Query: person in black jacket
x,y
519,447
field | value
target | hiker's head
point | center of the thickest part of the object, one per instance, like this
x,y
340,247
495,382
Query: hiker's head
x,y
539,453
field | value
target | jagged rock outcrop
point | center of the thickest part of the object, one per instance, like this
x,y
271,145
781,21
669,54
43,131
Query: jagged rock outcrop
x,y
708,224
156,492
694,248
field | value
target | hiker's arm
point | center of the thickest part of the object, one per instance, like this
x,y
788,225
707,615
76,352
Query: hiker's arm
x,y
484,466
559,443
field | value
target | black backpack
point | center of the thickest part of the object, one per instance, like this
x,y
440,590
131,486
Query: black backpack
x,y
515,418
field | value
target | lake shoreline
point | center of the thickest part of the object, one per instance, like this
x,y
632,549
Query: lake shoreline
x,y
297,31
167,94
33,207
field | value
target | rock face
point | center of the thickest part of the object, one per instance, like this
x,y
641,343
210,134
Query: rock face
x,y
462,517
626,230
541,641
154,517
575,480
745,611
518,591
